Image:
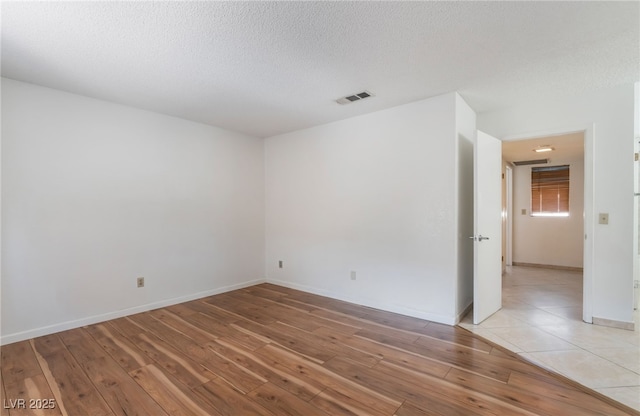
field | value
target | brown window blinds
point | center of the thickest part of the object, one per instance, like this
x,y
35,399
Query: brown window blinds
x,y
550,190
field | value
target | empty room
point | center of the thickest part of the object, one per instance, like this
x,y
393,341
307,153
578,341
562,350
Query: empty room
x,y
306,208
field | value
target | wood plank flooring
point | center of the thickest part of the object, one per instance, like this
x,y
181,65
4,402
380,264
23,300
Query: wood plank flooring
x,y
269,350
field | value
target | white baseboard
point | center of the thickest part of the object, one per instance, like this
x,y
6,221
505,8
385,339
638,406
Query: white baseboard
x,y
549,266
442,319
90,320
629,326
464,313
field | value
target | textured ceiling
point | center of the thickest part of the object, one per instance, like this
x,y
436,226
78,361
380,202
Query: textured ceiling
x,y
270,67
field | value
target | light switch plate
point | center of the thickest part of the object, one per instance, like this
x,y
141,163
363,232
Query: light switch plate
x,y
603,218
523,211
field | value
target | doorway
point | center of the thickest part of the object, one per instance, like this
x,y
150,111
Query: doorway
x,y
537,239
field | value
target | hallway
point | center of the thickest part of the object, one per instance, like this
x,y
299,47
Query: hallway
x,y
541,320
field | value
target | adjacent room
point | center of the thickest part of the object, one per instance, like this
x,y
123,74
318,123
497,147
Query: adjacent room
x,y
320,208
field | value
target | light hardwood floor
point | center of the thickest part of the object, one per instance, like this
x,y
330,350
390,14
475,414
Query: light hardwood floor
x,y
269,350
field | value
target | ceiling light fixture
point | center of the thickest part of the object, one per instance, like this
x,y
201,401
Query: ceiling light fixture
x,y
545,148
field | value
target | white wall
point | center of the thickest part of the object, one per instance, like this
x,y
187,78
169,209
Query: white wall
x,y
610,114
95,194
554,241
374,194
466,134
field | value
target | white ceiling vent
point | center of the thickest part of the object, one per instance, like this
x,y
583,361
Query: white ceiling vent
x,y
355,97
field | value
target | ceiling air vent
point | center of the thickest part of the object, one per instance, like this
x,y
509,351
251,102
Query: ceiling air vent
x,y
355,97
531,162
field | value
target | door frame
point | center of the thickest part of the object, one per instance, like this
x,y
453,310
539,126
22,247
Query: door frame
x,y
508,255
588,219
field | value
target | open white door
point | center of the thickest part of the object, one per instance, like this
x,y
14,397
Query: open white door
x,y
487,246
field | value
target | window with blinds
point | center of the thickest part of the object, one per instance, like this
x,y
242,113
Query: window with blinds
x,y
550,191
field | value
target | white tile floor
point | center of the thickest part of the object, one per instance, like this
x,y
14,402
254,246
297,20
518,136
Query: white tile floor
x,y
541,319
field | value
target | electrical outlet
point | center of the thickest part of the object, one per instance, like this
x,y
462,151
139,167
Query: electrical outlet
x,y
140,281
353,275
280,264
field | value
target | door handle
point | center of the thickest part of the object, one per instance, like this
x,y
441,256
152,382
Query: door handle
x,y
478,238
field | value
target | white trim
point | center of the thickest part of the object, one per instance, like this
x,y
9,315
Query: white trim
x,y
51,329
509,219
612,323
588,249
388,307
542,133
462,314
636,203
